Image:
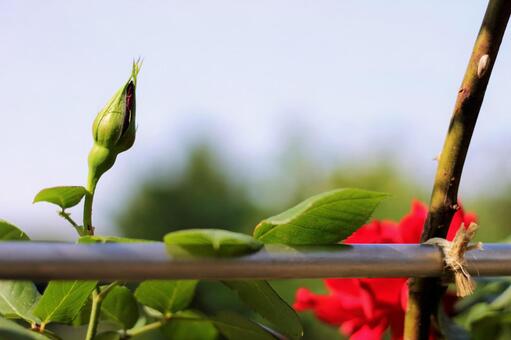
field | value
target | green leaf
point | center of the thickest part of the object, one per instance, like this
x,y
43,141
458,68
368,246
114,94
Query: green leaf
x,y
503,300
17,299
189,325
109,335
120,307
166,296
487,327
83,316
261,297
109,239
9,232
10,330
210,242
62,300
64,197
236,327
478,312
326,218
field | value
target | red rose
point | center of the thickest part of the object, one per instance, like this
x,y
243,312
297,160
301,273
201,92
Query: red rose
x,y
365,308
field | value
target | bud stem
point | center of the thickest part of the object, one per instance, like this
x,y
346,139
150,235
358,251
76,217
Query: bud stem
x,y
87,207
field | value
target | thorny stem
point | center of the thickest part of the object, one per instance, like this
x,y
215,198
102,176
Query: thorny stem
x,y
425,294
97,298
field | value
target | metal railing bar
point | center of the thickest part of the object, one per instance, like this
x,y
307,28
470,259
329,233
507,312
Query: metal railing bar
x,y
141,261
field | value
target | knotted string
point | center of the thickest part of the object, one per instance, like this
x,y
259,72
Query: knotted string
x,y
454,260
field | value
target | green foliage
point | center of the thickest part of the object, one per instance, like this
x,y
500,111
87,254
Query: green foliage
x,y
9,232
10,330
17,299
235,327
120,307
65,196
261,297
487,323
166,296
188,325
63,300
325,218
210,242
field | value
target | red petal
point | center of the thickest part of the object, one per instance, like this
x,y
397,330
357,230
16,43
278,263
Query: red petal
x,y
343,286
353,295
334,311
460,217
368,303
412,224
367,332
397,325
385,291
329,308
375,232
349,327
304,299
404,296
469,218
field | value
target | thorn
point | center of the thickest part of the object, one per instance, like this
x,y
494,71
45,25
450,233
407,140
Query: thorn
x,y
483,65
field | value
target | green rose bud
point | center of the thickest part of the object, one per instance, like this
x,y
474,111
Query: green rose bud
x,y
113,129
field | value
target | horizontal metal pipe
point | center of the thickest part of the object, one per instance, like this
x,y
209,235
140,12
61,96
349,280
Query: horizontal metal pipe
x,y
141,261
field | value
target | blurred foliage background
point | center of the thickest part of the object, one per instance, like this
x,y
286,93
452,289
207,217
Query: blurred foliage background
x,y
204,193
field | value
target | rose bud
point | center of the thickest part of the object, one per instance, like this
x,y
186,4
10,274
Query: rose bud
x,y
114,128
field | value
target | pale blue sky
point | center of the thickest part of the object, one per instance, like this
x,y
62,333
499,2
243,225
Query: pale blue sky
x,y
358,77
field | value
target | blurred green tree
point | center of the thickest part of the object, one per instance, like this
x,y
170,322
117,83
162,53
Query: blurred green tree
x,y
201,197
